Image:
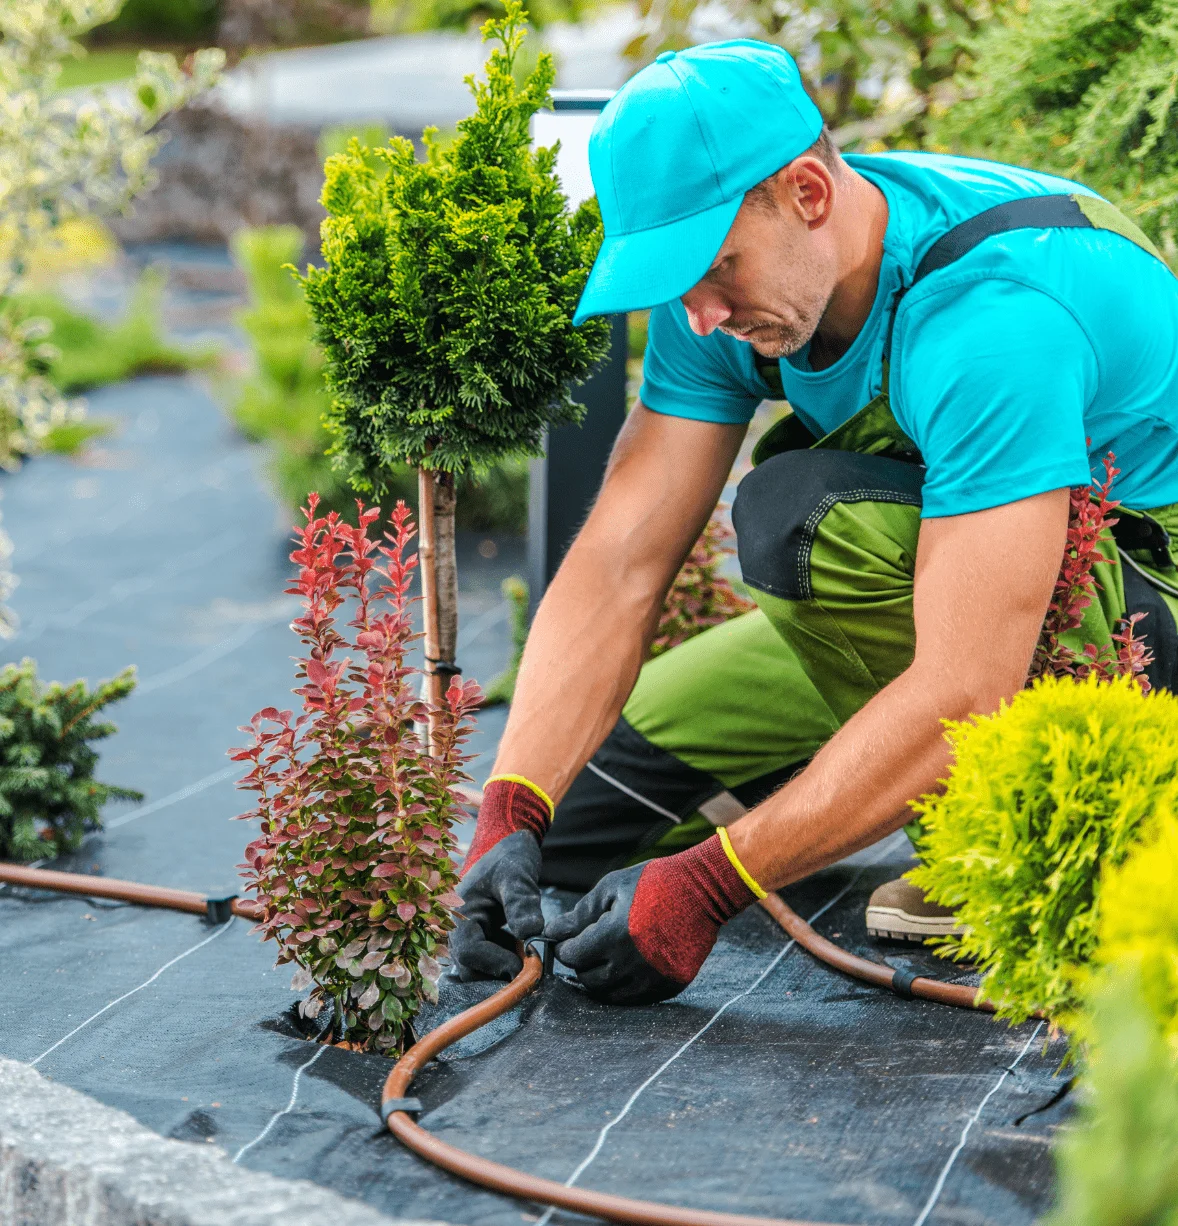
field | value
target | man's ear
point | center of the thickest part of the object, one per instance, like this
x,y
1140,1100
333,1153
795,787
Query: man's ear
x,y
806,189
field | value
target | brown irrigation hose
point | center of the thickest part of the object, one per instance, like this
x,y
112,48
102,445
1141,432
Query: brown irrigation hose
x,y
219,909
507,1179
216,909
903,983
449,1157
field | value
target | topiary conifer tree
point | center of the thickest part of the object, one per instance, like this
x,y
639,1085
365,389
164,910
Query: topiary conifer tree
x,y
445,307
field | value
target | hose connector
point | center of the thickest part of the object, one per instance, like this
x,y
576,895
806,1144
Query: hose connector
x,y
545,949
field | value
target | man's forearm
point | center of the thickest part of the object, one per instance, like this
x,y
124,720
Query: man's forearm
x,y
857,788
583,654
982,586
592,628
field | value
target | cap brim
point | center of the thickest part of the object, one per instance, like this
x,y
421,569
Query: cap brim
x,y
649,267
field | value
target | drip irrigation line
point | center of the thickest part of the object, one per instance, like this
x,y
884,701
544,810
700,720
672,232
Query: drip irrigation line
x,y
395,1103
939,1186
119,999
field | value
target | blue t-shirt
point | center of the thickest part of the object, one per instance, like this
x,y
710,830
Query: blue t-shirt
x,y
1003,363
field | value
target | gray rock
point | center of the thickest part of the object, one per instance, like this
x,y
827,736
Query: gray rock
x,y
66,1160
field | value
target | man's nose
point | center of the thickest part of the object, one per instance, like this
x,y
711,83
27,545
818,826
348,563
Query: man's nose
x,y
705,312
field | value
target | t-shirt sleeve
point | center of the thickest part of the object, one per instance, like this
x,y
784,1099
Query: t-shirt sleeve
x,y
706,378
991,379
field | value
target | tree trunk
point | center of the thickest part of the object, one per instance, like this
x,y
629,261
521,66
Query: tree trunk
x,y
439,581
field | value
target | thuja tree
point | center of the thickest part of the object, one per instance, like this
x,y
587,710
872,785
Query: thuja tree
x,y
1138,923
49,797
352,869
1082,88
1041,798
445,306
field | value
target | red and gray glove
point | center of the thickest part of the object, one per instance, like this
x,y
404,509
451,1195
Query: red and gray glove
x,y
642,933
500,884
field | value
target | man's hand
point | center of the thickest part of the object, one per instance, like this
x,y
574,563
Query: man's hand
x,y
500,885
642,933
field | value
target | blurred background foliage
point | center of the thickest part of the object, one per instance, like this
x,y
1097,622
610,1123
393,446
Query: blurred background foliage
x,y
1086,89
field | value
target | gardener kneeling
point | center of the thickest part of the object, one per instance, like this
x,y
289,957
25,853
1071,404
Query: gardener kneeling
x,y
960,342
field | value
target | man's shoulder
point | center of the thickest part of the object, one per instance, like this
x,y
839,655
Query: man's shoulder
x,y
959,187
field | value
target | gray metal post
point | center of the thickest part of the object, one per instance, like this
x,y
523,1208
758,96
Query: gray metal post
x,y
564,483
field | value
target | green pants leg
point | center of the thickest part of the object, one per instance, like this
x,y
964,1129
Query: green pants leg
x,y
827,543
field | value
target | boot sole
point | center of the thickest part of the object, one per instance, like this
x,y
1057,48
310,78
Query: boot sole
x,y
892,924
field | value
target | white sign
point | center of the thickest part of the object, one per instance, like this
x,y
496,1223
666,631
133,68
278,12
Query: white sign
x,y
571,123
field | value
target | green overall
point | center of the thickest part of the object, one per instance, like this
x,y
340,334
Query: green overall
x,y
827,533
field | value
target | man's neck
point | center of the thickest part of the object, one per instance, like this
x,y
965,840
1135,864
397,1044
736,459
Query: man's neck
x,y
862,220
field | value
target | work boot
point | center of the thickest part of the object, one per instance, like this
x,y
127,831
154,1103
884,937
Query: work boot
x,y
898,911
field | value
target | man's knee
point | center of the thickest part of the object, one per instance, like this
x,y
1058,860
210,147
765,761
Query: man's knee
x,y
836,499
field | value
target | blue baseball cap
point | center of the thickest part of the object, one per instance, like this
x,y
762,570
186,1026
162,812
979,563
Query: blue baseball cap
x,y
672,155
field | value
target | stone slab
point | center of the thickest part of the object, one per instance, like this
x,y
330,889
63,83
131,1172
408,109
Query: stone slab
x,y
67,1160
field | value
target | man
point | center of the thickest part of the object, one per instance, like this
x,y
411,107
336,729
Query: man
x,y
961,342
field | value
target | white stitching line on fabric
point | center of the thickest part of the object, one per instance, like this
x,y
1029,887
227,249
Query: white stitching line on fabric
x,y
585,1162
939,1187
119,999
294,1094
810,527
642,800
1157,584
210,655
124,589
189,789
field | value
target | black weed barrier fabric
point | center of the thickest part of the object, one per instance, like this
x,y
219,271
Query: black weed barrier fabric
x,y
773,1086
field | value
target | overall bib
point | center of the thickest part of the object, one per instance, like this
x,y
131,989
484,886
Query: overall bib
x,y
827,532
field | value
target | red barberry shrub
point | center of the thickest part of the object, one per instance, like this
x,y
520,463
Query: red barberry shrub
x,y
352,870
700,596
1089,520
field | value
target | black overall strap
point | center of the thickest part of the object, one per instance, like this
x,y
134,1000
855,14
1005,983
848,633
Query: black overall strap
x,y
1027,213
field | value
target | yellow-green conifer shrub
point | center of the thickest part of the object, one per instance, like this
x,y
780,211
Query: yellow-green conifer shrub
x,y
1118,1164
1138,922
1041,798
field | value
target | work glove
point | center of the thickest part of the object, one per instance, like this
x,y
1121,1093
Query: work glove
x,y
642,933
500,880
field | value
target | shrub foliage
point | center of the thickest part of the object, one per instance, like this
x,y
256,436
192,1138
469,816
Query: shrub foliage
x,y
1041,797
445,307
352,868
49,797
1118,1164
1082,88
1139,923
